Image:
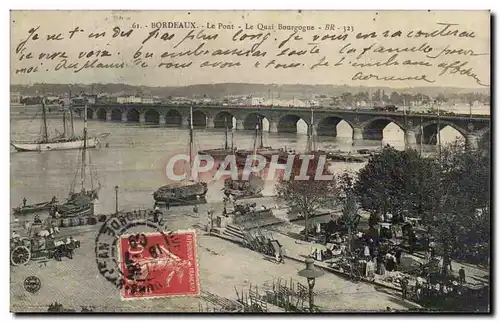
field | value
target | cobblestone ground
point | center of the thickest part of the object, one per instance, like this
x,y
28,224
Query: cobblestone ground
x,y
223,267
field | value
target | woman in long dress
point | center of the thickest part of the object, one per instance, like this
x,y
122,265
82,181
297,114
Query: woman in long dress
x,y
383,272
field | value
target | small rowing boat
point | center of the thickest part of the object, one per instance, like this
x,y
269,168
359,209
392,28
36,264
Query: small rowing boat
x,y
38,207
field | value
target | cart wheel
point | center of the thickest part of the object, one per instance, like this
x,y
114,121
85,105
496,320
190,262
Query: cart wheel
x,y
21,255
102,218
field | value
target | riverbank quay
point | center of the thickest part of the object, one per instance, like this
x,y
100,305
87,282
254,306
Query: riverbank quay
x,y
287,235
224,268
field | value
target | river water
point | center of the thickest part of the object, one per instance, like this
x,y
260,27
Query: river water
x,y
137,156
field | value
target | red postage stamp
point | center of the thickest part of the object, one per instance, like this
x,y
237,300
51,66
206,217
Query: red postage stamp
x,y
159,265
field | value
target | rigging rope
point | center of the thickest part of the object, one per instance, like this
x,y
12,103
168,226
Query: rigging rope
x,y
93,173
73,183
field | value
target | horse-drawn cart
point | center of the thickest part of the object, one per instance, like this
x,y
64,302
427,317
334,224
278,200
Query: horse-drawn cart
x,y
22,250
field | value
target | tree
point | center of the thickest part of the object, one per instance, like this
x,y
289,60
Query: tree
x,y
350,212
463,216
395,98
398,182
307,196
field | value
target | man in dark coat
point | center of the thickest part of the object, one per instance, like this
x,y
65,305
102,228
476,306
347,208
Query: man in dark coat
x,y
404,287
461,275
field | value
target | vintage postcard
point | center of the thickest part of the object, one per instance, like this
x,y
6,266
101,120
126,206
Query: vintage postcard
x,y
250,161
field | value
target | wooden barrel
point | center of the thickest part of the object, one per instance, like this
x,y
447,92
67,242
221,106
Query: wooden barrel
x,y
66,222
75,221
83,221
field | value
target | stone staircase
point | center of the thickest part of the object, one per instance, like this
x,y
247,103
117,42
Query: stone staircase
x,y
234,232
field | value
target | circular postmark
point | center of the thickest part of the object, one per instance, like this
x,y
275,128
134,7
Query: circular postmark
x,y
107,252
32,284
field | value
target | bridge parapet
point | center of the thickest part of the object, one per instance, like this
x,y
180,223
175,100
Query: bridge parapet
x,y
367,124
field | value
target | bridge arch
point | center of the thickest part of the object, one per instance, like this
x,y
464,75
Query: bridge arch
x,y
222,118
133,115
328,126
253,119
433,127
173,117
199,118
101,113
152,116
288,123
374,128
116,114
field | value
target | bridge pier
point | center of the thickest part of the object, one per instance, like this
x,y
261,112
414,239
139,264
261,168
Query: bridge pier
x,y
357,133
185,121
142,118
471,141
273,126
109,114
163,120
210,122
124,116
410,139
240,125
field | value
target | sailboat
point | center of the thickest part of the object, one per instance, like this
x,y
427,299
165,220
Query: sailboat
x,y
186,192
221,153
259,148
63,142
246,188
80,203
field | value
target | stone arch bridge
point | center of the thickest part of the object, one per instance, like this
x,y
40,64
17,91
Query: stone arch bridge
x,y
365,124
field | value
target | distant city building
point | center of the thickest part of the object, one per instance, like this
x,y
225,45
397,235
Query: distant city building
x,y
254,101
15,97
147,100
91,99
132,99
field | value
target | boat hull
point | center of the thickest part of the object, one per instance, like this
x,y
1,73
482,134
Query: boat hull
x,y
33,208
70,145
216,153
181,195
82,211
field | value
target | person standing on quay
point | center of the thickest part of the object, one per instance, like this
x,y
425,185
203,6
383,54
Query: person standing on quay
x,y
461,275
404,287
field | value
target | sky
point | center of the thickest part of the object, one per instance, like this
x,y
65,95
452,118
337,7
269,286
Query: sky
x,y
335,60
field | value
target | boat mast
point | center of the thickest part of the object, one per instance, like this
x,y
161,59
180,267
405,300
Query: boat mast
x,y
232,139
84,150
439,133
44,115
71,115
64,122
421,136
226,145
313,138
254,153
311,144
261,134
190,140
